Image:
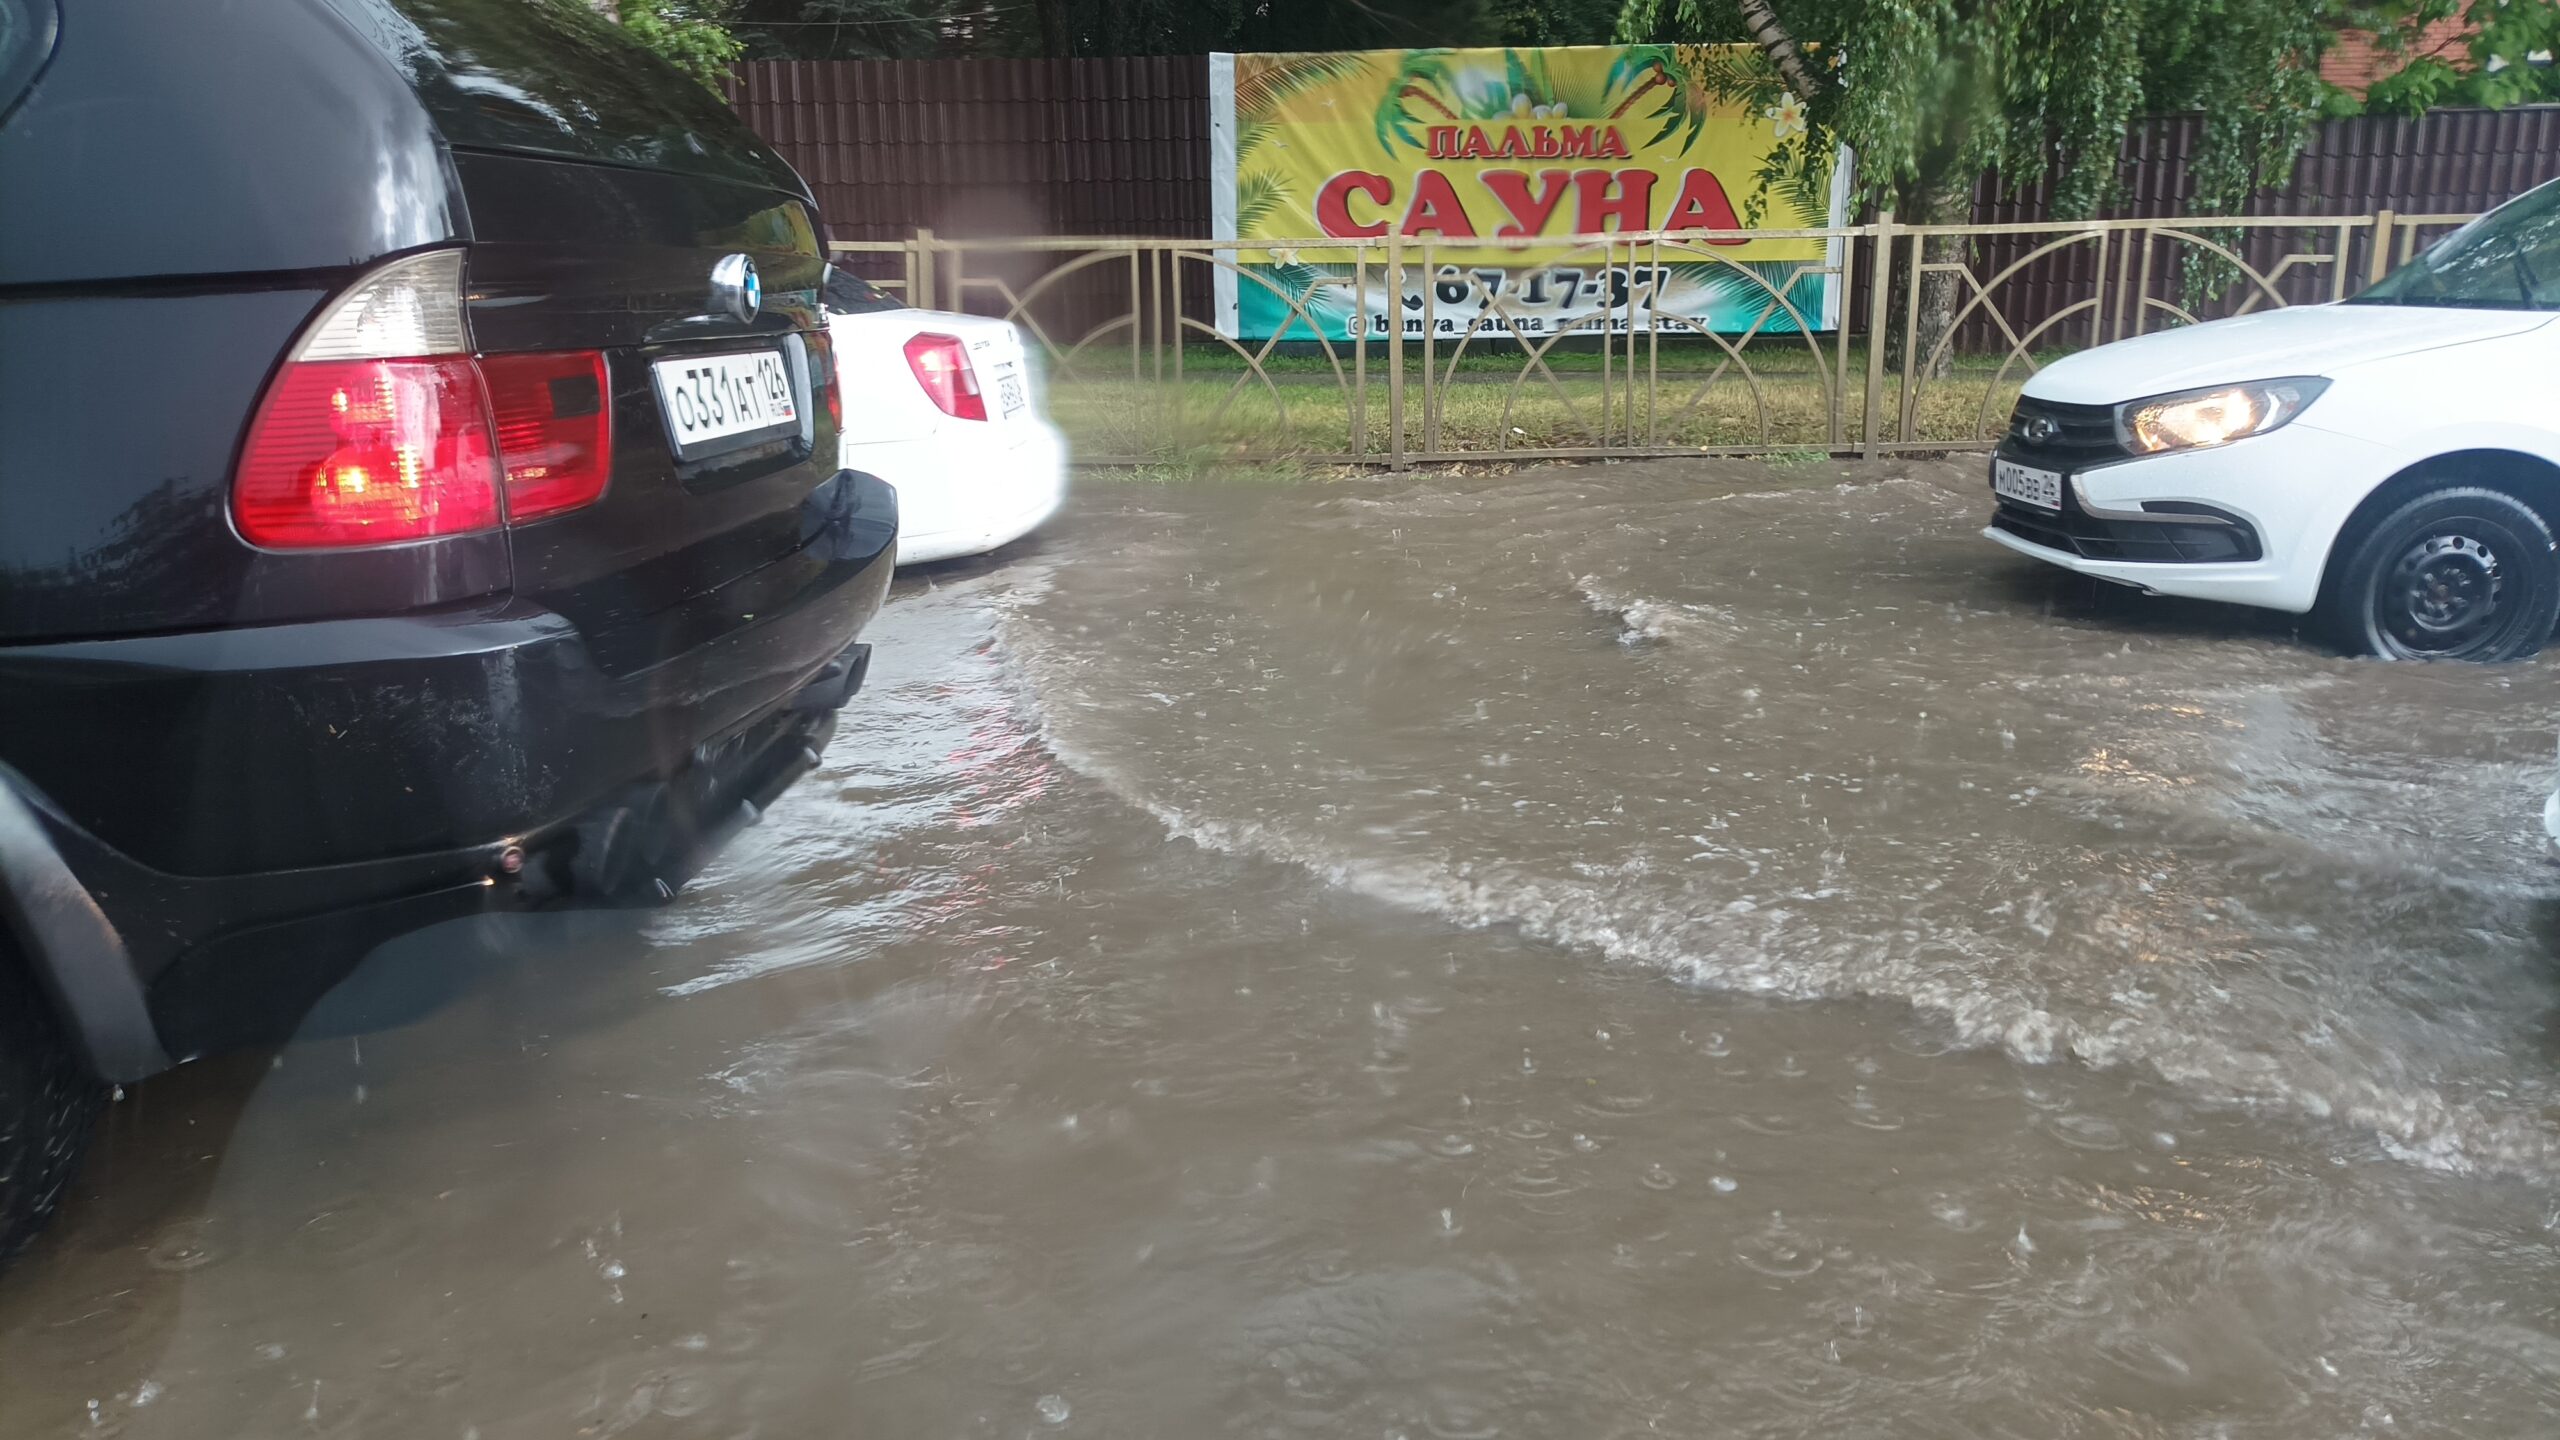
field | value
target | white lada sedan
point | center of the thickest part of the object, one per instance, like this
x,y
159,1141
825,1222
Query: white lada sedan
x,y
2390,464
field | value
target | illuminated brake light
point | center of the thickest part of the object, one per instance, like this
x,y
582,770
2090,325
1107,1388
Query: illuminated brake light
x,y
942,367
376,430
555,429
381,429
368,452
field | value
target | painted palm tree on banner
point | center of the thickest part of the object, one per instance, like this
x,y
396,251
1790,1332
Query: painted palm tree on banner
x,y
1433,87
1266,82
1682,84
1675,88
1264,85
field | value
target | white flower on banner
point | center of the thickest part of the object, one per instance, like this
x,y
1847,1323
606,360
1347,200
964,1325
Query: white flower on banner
x,y
1787,116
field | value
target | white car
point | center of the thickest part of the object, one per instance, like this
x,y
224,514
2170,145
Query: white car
x,y
2390,463
944,407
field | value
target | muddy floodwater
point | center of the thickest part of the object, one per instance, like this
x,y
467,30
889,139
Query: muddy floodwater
x,y
1688,949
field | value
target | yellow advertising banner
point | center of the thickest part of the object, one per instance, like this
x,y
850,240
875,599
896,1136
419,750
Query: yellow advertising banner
x,y
1454,148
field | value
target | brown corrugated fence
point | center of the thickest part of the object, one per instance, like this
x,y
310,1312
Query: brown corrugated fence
x,y
976,148
984,148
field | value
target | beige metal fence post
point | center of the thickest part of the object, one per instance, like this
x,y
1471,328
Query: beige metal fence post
x,y
1839,406
2386,227
1395,352
920,272
1906,414
1360,352
1137,317
1879,286
1430,352
1171,320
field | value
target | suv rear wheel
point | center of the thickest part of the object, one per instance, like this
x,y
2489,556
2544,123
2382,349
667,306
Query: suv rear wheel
x,y
2458,573
47,1107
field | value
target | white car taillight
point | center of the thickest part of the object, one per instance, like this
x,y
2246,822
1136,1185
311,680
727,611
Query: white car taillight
x,y
381,429
942,367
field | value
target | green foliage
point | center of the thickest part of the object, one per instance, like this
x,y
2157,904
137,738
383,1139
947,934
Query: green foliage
x,y
837,29
2258,98
2493,68
842,29
1548,22
1935,92
691,35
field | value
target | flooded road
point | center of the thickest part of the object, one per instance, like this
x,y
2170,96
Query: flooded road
x,y
1658,949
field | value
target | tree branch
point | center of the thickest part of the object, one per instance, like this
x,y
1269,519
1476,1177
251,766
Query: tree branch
x,y
1780,47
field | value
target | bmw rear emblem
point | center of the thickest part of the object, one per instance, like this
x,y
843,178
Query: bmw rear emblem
x,y
735,288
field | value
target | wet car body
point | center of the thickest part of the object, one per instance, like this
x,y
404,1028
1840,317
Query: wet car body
x,y
227,768
952,416
2388,464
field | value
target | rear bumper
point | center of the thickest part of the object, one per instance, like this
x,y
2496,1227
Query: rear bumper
x,y
252,809
959,495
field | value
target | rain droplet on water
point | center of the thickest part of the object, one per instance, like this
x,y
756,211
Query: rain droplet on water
x,y
1053,1409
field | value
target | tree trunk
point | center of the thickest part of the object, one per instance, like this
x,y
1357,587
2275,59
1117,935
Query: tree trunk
x,y
1781,48
1941,195
1940,200
1933,200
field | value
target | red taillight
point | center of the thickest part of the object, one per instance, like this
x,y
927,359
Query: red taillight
x,y
555,429
380,428
823,348
368,452
942,367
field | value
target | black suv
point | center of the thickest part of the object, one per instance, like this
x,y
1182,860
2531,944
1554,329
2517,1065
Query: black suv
x,y
417,496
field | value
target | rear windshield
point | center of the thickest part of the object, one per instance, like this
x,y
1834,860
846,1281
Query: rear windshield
x,y
552,77
852,295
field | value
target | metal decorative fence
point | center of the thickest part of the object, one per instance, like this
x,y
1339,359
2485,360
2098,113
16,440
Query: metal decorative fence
x,y
1140,372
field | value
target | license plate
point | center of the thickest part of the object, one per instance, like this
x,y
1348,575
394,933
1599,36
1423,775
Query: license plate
x,y
2026,484
1012,396
721,402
